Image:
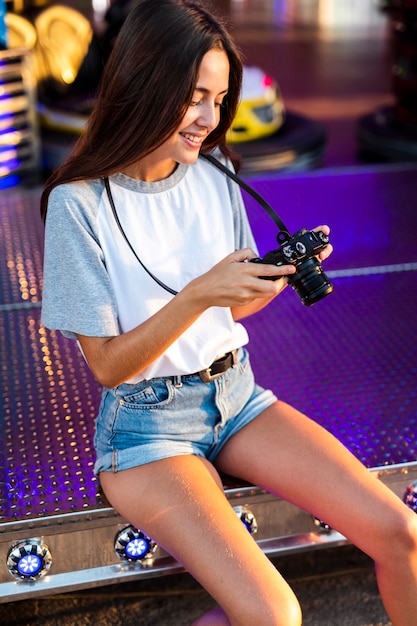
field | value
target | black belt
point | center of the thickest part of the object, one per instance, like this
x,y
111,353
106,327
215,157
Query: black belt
x,y
218,367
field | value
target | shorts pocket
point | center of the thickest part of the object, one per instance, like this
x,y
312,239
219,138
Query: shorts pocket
x,y
143,413
155,394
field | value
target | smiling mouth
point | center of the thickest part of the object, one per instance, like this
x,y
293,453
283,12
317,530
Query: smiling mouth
x,y
194,139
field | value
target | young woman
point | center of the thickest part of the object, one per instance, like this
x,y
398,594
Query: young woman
x,y
179,401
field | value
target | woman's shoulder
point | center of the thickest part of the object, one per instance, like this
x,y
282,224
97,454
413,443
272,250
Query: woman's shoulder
x,y
78,198
76,202
78,188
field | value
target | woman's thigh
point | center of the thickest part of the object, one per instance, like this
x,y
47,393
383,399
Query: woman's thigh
x,y
290,455
180,503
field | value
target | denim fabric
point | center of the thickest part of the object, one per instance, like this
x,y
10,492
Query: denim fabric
x,y
170,416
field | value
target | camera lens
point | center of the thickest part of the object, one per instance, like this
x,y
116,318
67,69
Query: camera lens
x,y
310,282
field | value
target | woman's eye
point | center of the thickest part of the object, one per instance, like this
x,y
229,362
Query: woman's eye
x,y
196,103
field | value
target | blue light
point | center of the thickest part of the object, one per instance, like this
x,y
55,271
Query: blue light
x,y
30,565
3,27
137,548
131,544
9,181
247,525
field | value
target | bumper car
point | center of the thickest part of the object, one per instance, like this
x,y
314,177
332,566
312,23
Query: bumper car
x,y
261,110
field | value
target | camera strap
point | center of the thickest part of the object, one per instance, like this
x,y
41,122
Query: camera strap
x,y
283,234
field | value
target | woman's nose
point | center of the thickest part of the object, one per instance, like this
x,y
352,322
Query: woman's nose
x,y
209,115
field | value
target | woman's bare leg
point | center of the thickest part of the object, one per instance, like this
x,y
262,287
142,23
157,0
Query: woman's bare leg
x,y
288,454
180,503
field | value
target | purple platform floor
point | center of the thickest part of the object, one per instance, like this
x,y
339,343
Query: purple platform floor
x,y
349,361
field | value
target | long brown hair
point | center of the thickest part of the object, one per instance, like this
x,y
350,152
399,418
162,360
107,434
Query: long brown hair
x,y
146,87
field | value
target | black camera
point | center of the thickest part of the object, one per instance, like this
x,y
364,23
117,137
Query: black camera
x,y
301,250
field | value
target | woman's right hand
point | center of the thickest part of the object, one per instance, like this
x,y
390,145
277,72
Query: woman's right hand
x,y
235,282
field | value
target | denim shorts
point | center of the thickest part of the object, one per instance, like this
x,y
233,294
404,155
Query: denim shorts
x,y
170,416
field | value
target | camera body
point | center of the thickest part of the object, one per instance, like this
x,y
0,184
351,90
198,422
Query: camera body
x,y
301,250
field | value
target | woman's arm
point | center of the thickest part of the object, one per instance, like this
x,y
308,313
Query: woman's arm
x,y
240,312
230,283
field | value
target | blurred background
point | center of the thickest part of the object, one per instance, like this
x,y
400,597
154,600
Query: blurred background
x,y
327,83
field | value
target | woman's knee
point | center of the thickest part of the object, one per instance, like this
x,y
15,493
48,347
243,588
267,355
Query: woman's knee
x,y
287,613
406,530
398,539
279,610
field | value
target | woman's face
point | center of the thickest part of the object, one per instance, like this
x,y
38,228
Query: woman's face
x,y
200,119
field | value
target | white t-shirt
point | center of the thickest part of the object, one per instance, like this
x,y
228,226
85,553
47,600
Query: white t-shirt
x,y
179,228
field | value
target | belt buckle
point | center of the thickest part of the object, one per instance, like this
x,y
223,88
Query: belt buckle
x,y
207,377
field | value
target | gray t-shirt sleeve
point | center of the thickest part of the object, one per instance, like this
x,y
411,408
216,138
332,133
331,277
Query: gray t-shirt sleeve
x,y
77,294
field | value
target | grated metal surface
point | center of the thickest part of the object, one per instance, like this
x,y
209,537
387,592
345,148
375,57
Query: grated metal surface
x,y
48,406
21,250
349,361
48,397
